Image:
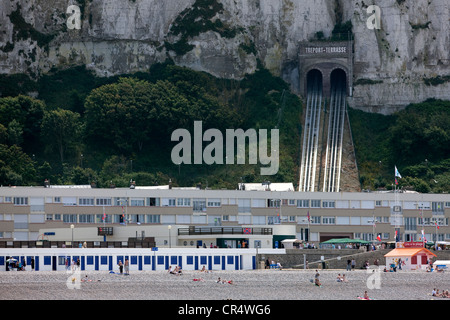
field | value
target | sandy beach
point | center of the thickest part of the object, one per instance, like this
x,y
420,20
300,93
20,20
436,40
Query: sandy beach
x,y
247,285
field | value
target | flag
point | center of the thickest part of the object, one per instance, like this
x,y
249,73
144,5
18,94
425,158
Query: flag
x,y
378,238
397,174
396,181
104,214
309,218
423,236
437,226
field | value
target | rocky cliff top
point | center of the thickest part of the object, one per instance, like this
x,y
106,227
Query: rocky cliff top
x,y
406,59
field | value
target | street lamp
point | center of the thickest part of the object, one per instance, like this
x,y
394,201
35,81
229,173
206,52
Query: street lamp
x,y
170,242
72,227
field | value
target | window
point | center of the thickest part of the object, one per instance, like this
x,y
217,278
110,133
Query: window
x,y
437,207
153,218
57,200
273,220
410,223
70,218
136,202
87,218
328,204
86,201
199,205
291,202
329,220
315,203
49,217
378,203
103,201
168,202
303,203
153,202
99,218
315,220
183,202
20,201
244,205
213,202
273,203
121,202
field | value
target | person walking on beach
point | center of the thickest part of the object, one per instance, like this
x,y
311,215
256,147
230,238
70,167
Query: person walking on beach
x,y
349,265
353,264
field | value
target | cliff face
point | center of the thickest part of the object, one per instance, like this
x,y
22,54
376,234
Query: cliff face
x,y
407,60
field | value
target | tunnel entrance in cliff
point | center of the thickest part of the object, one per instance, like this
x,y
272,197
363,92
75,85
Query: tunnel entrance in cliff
x,y
314,81
338,80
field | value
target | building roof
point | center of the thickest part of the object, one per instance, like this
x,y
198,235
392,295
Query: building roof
x,y
407,252
269,186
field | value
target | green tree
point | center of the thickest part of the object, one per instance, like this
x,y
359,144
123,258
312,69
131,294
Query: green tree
x,y
22,115
16,167
61,131
127,115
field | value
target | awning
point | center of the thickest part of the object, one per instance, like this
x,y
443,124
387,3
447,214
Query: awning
x,y
346,240
408,252
291,240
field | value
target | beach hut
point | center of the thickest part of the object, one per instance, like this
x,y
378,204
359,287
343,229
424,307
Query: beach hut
x,y
410,258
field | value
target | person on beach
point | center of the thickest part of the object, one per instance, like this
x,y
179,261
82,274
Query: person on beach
x,y
366,296
127,267
120,267
316,279
353,264
344,278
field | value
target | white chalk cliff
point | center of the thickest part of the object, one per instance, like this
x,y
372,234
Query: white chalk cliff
x,y
406,60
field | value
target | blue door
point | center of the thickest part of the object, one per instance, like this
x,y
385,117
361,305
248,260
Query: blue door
x,y
110,263
96,263
36,263
140,263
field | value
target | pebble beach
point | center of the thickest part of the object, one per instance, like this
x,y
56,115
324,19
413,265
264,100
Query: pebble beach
x,y
253,285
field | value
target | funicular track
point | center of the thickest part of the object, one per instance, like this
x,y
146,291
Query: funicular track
x,y
321,160
333,150
310,145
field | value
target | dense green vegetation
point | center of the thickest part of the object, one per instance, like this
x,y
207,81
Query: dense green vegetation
x,y
416,140
85,129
